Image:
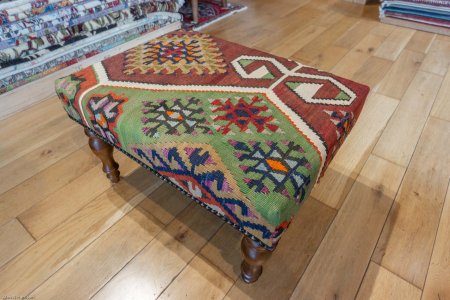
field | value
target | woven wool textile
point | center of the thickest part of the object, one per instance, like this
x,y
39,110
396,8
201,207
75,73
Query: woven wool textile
x,y
39,37
243,132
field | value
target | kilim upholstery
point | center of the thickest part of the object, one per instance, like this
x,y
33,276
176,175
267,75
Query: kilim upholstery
x,y
245,133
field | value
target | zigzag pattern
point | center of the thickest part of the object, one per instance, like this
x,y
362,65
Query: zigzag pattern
x,y
208,187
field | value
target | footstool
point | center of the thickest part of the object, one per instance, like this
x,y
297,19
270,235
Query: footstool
x,y
244,133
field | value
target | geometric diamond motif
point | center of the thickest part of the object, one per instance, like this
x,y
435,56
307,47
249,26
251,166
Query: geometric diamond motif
x,y
176,116
321,91
274,167
183,54
104,111
242,112
261,73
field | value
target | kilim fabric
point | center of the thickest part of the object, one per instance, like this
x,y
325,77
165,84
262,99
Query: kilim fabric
x,y
245,133
38,37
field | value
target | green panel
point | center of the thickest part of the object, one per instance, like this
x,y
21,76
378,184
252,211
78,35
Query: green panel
x,y
275,207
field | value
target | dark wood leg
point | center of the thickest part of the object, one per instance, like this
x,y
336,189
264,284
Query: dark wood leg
x,y
194,4
224,3
254,257
104,151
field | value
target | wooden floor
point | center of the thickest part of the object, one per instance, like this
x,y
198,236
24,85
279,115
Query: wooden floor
x,y
376,227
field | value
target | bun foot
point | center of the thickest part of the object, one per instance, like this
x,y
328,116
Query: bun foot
x,y
254,257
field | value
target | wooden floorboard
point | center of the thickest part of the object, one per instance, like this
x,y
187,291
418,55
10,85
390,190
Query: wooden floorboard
x,y
368,205
86,273
205,282
399,139
42,157
14,239
401,74
162,260
437,282
420,42
407,240
437,60
45,215
289,261
358,56
43,184
348,162
57,248
394,43
441,107
375,227
380,284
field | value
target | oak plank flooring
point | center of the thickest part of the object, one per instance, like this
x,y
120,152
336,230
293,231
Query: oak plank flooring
x,y
39,134
223,250
284,27
289,45
373,71
14,151
40,158
383,29
394,43
14,239
380,284
42,217
367,204
35,189
160,244
406,243
309,52
165,203
357,56
420,42
355,34
46,110
54,250
174,248
328,58
441,107
350,159
207,282
84,275
398,141
437,60
401,74
437,284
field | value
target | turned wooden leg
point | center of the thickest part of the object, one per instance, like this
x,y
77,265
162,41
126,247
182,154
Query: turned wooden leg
x,y
194,5
104,151
254,257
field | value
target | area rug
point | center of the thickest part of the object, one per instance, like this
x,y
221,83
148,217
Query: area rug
x,y
39,37
209,11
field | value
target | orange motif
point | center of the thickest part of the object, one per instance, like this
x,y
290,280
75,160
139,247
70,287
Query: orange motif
x,y
276,165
